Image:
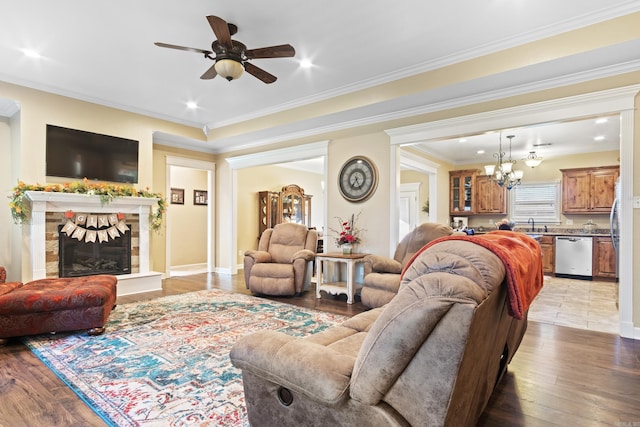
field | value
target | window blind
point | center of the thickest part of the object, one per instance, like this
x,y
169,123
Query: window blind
x,y
539,201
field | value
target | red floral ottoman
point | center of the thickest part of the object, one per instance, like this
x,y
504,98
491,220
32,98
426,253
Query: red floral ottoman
x,y
56,305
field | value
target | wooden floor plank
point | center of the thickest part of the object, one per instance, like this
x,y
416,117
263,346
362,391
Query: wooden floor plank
x,y
559,376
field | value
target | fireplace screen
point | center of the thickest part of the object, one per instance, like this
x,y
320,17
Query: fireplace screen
x,y
80,258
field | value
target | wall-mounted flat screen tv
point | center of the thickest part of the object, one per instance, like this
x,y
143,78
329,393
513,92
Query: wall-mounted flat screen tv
x,y
78,154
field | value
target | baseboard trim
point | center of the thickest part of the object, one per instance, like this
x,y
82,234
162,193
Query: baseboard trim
x,y
139,282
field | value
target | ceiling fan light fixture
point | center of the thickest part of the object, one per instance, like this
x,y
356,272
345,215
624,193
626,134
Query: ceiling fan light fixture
x,y
231,56
229,69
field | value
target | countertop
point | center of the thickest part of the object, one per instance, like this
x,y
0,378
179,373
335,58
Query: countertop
x,y
558,232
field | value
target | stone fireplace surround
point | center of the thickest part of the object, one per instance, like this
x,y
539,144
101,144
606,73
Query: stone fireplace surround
x,y
40,234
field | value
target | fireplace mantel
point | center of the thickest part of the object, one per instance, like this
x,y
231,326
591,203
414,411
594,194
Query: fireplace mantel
x,y
60,202
42,202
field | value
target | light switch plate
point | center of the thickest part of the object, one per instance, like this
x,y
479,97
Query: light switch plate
x,y
636,203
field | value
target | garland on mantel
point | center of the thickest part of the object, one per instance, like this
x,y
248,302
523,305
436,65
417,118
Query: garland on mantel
x,y
107,192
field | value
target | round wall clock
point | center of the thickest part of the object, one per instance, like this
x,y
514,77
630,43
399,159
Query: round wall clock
x,y
358,179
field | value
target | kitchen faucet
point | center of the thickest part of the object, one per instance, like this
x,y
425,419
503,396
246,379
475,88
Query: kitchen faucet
x,y
533,224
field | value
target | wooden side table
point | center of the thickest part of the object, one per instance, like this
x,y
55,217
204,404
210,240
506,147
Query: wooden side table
x,y
338,287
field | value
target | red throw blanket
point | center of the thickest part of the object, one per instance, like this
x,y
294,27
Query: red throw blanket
x,y
522,259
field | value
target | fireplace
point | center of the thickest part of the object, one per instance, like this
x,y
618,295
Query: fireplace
x,y
80,258
48,210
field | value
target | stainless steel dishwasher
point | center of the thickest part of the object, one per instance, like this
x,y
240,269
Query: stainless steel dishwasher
x,y
574,256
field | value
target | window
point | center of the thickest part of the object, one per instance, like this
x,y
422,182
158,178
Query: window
x,y
538,201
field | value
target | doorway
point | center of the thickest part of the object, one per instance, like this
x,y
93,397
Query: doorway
x,y
183,176
620,100
408,205
318,150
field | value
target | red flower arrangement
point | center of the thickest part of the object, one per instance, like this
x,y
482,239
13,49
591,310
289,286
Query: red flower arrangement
x,y
348,233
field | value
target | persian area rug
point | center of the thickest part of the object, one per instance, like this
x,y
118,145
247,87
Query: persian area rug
x,y
165,362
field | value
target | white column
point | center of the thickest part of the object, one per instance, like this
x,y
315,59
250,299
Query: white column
x,y
37,232
143,238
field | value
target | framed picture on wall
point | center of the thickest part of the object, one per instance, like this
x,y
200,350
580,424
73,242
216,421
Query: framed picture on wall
x,y
177,196
199,197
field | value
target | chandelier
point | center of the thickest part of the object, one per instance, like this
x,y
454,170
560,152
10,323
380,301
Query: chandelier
x,y
502,173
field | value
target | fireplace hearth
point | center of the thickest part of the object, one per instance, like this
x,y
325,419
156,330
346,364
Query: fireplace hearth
x,y
80,258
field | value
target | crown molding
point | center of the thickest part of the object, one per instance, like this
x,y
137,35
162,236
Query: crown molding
x,y
567,80
608,101
298,152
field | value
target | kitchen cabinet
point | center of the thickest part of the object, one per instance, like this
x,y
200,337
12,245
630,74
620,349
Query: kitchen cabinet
x,y
548,247
462,192
588,190
288,205
490,197
604,258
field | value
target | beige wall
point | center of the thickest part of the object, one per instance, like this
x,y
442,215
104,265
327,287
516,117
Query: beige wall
x,y
6,224
187,232
272,178
37,109
374,217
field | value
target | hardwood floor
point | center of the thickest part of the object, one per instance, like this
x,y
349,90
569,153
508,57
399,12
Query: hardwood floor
x,y
559,376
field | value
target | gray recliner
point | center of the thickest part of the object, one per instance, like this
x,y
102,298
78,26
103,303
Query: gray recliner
x,y
430,357
283,263
382,274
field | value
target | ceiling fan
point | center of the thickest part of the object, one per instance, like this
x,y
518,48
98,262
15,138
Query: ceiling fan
x,y
232,57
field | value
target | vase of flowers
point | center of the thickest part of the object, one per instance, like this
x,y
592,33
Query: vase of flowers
x,y
348,236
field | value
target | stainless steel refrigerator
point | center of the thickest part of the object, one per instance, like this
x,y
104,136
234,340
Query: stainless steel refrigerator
x,y
614,224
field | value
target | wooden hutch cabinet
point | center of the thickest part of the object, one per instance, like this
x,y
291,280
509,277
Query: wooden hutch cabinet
x,y
588,190
288,205
490,197
604,258
462,192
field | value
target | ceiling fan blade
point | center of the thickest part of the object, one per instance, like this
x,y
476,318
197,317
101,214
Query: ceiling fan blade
x,y
210,73
259,73
221,30
190,49
280,51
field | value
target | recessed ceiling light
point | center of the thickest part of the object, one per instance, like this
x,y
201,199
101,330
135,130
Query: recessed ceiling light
x,y
192,105
306,63
602,120
599,138
31,53
462,140
480,152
